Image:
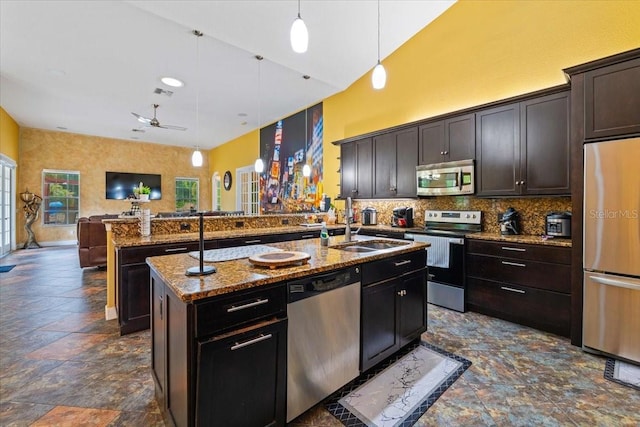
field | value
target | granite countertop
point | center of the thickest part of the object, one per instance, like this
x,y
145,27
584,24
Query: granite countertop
x,y
241,274
156,239
523,238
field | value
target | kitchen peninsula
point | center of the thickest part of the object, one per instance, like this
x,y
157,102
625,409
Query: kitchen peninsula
x,y
219,342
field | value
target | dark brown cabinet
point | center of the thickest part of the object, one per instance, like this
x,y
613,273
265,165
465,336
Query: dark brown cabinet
x,y
355,169
523,148
394,306
447,140
394,164
612,103
215,366
526,284
133,289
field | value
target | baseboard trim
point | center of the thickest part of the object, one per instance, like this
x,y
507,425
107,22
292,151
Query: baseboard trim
x,y
110,313
51,243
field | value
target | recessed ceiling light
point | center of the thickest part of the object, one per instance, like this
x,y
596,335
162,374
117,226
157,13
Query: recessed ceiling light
x,y
172,81
61,127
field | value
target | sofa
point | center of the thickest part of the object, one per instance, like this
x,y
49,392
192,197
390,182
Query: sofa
x,y
92,241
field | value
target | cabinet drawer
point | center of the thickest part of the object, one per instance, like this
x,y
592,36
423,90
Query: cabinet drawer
x,y
548,311
379,233
140,253
555,254
377,271
552,277
223,313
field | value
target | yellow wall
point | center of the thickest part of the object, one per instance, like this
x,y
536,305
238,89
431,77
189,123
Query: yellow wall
x,y
478,52
237,153
92,156
9,135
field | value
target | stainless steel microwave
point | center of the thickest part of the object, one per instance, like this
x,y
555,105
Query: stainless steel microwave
x,y
446,179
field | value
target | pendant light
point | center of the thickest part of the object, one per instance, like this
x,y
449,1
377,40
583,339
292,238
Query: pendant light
x,y
299,34
379,75
306,169
259,165
196,157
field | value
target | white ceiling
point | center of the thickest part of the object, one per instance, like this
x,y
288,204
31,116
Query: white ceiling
x,y
87,65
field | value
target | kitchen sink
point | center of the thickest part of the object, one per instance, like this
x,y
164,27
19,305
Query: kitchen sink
x,y
369,245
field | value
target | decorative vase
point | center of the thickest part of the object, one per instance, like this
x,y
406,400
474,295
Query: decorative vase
x,y
143,197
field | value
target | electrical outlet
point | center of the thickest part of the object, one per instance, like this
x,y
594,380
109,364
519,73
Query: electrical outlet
x,y
285,222
239,224
184,226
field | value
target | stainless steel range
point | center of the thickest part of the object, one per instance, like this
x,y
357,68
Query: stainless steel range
x,y
446,231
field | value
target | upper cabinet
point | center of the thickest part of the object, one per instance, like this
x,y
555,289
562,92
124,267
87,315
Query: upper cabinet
x,y
394,164
447,140
612,100
355,169
523,148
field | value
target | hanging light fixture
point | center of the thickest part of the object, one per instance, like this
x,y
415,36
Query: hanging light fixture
x,y
306,171
259,165
379,75
299,34
196,157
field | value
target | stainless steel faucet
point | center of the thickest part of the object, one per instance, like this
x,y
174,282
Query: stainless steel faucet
x,y
348,216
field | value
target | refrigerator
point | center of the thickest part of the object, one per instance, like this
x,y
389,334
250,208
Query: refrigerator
x,y
611,245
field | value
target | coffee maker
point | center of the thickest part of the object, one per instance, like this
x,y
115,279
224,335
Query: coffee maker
x,y
402,217
509,222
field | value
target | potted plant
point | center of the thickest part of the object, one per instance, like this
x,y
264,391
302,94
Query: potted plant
x,y
142,192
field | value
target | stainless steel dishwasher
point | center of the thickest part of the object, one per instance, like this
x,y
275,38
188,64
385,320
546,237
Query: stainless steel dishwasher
x,y
323,340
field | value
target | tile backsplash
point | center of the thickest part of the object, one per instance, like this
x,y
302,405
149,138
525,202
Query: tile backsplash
x,y
533,210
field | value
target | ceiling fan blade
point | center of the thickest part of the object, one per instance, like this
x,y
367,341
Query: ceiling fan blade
x,y
141,119
172,127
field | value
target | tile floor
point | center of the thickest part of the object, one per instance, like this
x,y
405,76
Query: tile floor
x,y
62,364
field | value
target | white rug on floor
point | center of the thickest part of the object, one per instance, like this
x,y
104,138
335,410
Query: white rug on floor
x,y
236,252
623,373
398,394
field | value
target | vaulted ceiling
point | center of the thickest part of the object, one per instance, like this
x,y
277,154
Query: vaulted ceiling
x,y
85,66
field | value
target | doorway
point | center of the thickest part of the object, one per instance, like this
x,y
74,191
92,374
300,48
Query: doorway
x,y
7,205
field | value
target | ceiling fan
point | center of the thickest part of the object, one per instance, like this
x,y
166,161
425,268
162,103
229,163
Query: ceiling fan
x,y
154,121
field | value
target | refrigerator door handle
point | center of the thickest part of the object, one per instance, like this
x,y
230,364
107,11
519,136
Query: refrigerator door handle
x,y
613,282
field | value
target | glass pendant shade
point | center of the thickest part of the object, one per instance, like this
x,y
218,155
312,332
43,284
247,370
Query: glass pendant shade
x,y
379,77
306,171
259,166
299,36
196,158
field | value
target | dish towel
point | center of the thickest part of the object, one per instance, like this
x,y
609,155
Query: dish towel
x,y
438,253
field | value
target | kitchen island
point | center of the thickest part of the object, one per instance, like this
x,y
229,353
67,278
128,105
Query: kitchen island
x,y
219,342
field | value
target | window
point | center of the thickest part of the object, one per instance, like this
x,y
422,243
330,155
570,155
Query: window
x,y
60,197
187,190
216,196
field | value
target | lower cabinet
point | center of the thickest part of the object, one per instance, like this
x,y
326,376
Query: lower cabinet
x,y
522,283
394,313
220,361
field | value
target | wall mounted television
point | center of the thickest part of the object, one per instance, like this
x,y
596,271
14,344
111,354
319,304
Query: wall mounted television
x,y
119,185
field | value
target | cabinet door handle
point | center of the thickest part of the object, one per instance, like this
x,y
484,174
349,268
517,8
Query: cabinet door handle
x,y
402,293
515,264
175,249
445,152
507,248
519,291
248,242
160,297
401,263
248,305
255,340
307,236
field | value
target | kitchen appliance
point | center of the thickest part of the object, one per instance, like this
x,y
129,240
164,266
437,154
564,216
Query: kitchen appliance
x,y
509,222
446,179
446,231
611,249
369,216
402,217
323,351
558,224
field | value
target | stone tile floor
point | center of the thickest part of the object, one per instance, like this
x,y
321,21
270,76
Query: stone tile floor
x,y
62,364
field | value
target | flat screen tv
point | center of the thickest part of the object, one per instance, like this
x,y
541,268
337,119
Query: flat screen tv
x,y
119,185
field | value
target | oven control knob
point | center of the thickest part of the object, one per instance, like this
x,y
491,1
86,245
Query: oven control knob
x,y
473,216
468,216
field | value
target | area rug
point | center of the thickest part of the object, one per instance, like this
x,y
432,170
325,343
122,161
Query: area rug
x,y
400,391
6,268
622,373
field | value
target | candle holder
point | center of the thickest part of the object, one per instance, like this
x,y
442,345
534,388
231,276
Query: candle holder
x,y
201,270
